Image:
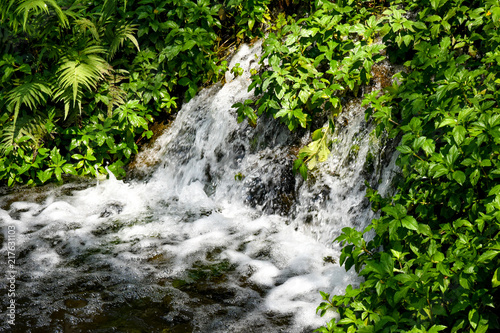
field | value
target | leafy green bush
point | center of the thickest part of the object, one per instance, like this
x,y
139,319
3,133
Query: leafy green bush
x,y
79,82
433,264
318,59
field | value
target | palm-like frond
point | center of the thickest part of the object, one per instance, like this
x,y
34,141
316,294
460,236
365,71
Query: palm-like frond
x,y
5,6
32,126
7,134
30,94
84,24
25,8
118,34
84,69
109,6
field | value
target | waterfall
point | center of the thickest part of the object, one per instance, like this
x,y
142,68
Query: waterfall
x,y
220,237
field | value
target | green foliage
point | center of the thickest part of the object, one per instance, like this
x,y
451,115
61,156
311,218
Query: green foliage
x,y
86,79
312,63
250,15
433,263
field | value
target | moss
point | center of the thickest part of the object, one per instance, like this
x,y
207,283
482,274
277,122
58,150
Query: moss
x,y
369,166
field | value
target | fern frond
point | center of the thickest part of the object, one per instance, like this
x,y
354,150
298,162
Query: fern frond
x,y
32,126
30,94
5,9
109,6
7,134
29,7
84,70
119,34
84,24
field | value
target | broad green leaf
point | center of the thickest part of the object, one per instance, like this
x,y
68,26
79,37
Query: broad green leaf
x,y
418,143
318,134
474,177
304,95
77,156
101,138
437,257
488,255
387,263
69,169
58,173
188,45
404,149
459,177
303,171
495,281
459,134
312,163
44,175
438,170
452,155
473,318
464,282
436,328
409,222
380,287
495,190
429,146
448,122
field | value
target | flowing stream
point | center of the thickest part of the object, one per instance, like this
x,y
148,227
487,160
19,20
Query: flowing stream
x,y
219,236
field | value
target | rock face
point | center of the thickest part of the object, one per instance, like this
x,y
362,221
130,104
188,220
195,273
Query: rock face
x,y
272,189
143,163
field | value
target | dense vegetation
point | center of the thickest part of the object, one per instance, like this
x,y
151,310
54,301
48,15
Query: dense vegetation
x,y
433,264
80,84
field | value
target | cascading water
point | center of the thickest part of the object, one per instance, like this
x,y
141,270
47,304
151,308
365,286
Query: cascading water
x,y
221,237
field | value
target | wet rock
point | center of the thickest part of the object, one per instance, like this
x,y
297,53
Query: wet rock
x,y
113,208
271,188
144,162
73,303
